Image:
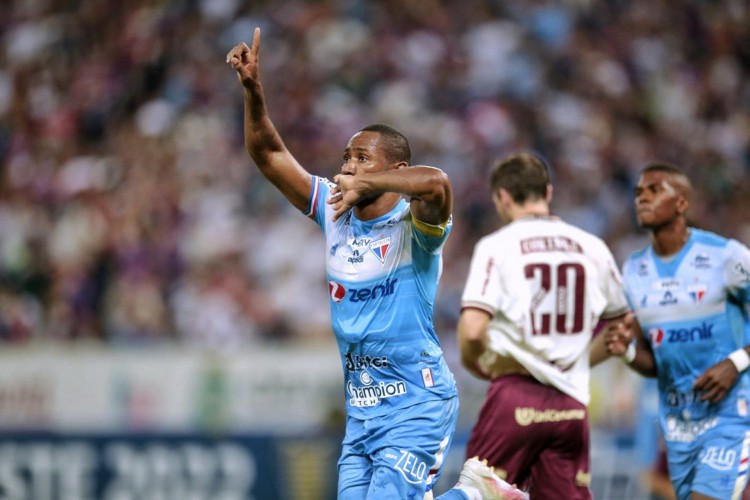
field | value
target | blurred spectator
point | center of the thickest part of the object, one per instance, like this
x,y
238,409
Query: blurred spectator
x,y
128,214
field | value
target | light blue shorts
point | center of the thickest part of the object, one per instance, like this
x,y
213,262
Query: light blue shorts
x,y
716,464
399,455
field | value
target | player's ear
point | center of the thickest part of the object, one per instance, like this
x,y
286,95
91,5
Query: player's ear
x,y
549,193
682,204
504,197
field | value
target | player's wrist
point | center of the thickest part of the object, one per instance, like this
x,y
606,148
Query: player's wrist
x,y
740,359
629,355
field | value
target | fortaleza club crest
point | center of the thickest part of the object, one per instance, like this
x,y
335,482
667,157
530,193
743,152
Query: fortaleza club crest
x,y
380,248
697,292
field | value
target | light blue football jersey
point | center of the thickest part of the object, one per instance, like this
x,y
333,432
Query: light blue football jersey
x,y
693,309
383,276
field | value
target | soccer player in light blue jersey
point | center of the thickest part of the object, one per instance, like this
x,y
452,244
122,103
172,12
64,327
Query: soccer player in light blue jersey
x,y
383,263
690,290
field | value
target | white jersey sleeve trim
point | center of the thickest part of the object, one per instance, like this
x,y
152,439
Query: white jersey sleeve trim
x,y
478,305
312,204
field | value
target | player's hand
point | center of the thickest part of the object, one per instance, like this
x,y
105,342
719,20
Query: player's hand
x,y
349,191
715,382
244,60
619,335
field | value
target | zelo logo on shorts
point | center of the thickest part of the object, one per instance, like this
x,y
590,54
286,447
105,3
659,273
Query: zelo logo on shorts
x,y
412,468
719,458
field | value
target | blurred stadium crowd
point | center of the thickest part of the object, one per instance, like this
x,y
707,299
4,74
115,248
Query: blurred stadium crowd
x,y
131,215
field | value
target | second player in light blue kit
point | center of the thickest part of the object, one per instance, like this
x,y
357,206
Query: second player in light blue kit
x,y
690,291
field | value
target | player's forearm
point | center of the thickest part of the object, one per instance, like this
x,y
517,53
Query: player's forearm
x,y
428,188
470,361
425,183
643,362
471,351
598,351
472,342
261,138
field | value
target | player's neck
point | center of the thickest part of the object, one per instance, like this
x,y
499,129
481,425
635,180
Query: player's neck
x,y
376,207
531,209
669,240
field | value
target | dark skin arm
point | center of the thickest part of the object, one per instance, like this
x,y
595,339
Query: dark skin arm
x,y
598,351
715,383
618,336
428,189
263,143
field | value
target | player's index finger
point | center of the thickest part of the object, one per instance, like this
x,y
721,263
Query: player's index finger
x,y
256,42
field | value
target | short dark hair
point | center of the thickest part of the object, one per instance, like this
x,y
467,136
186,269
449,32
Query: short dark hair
x,y
673,170
393,142
524,175
660,166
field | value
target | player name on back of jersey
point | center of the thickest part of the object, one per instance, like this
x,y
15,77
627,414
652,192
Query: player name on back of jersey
x,y
549,244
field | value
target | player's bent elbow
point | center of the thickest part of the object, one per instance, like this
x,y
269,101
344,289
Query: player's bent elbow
x,y
442,187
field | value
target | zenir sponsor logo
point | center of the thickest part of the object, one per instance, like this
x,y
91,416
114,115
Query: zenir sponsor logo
x,y
338,291
656,335
380,290
679,335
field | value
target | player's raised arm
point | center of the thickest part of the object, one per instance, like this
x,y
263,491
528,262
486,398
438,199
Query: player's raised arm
x,y
262,141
